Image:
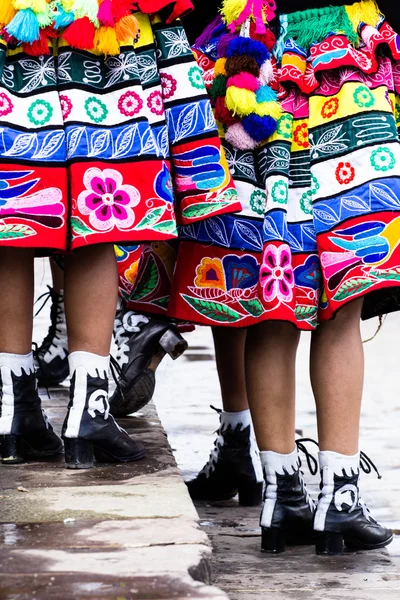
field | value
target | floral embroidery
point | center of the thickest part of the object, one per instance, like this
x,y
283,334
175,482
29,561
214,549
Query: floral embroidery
x,y
130,104
345,173
280,192
169,85
96,110
155,103
108,201
258,202
363,97
196,78
131,273
306,202
382,159
40,112
276,275
315,186
210,273
66,106
330,108
6,106
300,136
285,125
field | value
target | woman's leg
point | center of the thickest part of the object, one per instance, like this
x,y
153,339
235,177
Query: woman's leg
x,y
229,346
271,349
16,300
337,377
57,275
91,293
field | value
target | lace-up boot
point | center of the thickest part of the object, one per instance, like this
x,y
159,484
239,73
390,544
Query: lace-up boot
x,y
25,430
234,465
288,510
89,431
142,343
52,355
342,518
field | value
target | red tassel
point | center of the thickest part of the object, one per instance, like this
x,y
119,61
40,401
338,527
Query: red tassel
x,y
267,38
80,34
222,113
38,47
122,8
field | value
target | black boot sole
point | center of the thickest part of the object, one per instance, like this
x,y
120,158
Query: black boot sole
x,y
332,544
250,494
138,396
16,450
83,454
274,540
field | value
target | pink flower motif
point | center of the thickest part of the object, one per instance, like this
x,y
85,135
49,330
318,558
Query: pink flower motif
x,y
276,274
155,103
130,104
169,85
107,201
6,106
66,106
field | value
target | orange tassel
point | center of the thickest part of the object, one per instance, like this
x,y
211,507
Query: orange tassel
x,y
127,28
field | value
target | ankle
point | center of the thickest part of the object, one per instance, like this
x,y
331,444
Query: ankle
x,y
93,364
234,419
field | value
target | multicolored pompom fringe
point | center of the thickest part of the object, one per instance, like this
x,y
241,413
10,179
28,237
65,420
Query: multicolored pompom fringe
x,y
244,100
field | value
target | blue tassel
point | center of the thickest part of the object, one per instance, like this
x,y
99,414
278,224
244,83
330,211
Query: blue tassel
x,y
265,94
62,18
248,47
259,128
24,27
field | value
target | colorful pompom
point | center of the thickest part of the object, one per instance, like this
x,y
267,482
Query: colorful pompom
x,y
248,47
266,94
267,74
239,138
240,101
259,128
222,113
218,87
219,68
268,109
244,81
238,64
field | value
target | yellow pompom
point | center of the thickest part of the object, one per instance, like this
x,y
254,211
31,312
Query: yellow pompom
x,y
105,41
363,12
7,12
240,101
268,109
219,68
232,9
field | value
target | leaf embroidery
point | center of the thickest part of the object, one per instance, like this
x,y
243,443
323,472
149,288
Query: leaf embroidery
x,y
8,232
22,144
151,218
352,287
254,307
148,282
79,228
51,143
195,211
215,311
166,227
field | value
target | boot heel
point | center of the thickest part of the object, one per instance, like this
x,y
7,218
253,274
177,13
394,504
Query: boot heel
x,y
273,540
79,453
11,451
329,543
173,343
250,494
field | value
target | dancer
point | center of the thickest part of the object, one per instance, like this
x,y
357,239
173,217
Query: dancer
x,y
86,158
319,245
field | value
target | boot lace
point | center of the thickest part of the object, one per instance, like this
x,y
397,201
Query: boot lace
x,y
124,327
215,454
312,464
55,331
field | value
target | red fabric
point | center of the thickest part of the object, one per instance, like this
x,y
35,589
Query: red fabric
x,y
178,7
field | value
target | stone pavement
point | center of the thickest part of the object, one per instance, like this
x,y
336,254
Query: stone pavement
x,y
124,532
185,390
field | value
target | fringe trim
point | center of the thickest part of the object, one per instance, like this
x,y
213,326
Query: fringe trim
x,y
320,23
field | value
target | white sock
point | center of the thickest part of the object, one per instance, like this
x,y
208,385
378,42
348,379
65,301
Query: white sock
x,y
339,462
234,419
283,464
17,362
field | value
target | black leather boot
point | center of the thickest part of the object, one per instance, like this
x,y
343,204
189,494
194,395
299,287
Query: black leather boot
x,y
52,355
342,518
234,466
89,431
288,512
142,343
26,432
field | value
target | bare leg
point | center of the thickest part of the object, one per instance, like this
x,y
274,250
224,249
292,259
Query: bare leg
x,y
91,293
229,352
58,276
16,300
270,374
337,375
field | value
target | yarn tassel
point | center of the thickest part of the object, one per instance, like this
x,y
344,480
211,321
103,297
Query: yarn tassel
x,y
105,14
363,12
24,26
319,25
105,41
41,46
80,34
85,8
7,12
37,6
122,8
62,18
208,33
127,29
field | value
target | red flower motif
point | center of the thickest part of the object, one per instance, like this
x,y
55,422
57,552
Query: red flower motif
x,y
130,104
345,173
169,85
6,106
155,103
300,135
66,106
330,108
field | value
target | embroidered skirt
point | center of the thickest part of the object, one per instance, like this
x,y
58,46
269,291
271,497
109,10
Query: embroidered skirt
x,y
88,144
320,224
